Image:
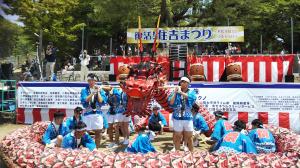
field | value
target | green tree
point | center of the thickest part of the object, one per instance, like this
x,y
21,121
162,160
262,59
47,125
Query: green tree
x,y
8,37
54,18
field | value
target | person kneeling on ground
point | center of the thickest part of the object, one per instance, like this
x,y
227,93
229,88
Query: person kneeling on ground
x,y
156,121
79,138
262,138
200,125
142,143
236,141
222,126
71,122
55,131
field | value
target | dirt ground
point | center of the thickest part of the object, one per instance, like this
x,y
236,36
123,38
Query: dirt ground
x,y
162,143
8,128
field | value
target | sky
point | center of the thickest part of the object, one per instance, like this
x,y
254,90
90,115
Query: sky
x,y
11,18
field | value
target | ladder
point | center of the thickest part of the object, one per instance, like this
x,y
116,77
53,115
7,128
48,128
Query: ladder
x,y
177,52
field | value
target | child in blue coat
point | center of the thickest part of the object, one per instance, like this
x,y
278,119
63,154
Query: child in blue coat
x,y
262,138
55,131
221,127
72,121
235,141
142,143
200,125
92,98
79,138
156,121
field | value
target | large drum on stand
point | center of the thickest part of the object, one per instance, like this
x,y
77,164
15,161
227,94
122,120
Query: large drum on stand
x,y
197,72
234,72
123,72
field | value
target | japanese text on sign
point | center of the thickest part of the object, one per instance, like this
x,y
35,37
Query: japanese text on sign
x,y
188,34
50,98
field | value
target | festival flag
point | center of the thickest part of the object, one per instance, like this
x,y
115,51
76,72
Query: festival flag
x,y
140,44
156,39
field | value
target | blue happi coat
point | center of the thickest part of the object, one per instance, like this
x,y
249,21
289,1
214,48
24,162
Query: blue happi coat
x,y
200,123
235,142
71,122
51,133
142,144
220,129
155,119
182,103
117,101
70,141
263,140
85,92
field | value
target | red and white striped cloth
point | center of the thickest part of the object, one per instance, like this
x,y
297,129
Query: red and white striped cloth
x,y
281,119
258,68
32,115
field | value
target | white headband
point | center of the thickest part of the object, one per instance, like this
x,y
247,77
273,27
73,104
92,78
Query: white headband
x,y
90,78
185,79
82,129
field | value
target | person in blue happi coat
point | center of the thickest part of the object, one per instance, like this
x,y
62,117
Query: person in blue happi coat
x,y
142,143
200,125
156,121
55,131
181,101
222,126
72,121
125,122
262,137
235,141
92,99
116,100
79,138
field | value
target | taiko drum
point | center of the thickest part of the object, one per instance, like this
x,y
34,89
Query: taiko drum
x,y
234,72
123,71
197,72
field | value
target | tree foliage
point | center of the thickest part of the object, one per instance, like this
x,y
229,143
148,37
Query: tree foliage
x,y
8,37
62,20
55,18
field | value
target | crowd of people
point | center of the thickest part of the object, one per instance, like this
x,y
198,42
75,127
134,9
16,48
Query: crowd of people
x,y
188,124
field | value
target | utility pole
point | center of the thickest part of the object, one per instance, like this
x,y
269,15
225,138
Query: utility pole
x,y
40,43
261,44
292,36
228,26
39,54
110,47
82,40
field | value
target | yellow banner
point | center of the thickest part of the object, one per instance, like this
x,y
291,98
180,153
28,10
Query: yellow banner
x,y
189,34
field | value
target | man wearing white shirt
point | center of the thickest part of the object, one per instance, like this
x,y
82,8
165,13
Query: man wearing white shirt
x,y
85,59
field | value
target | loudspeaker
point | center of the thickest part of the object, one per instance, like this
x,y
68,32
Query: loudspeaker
x,y
289,78
112,77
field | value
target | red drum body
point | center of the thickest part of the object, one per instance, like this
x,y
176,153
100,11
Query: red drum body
x,y
197,72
